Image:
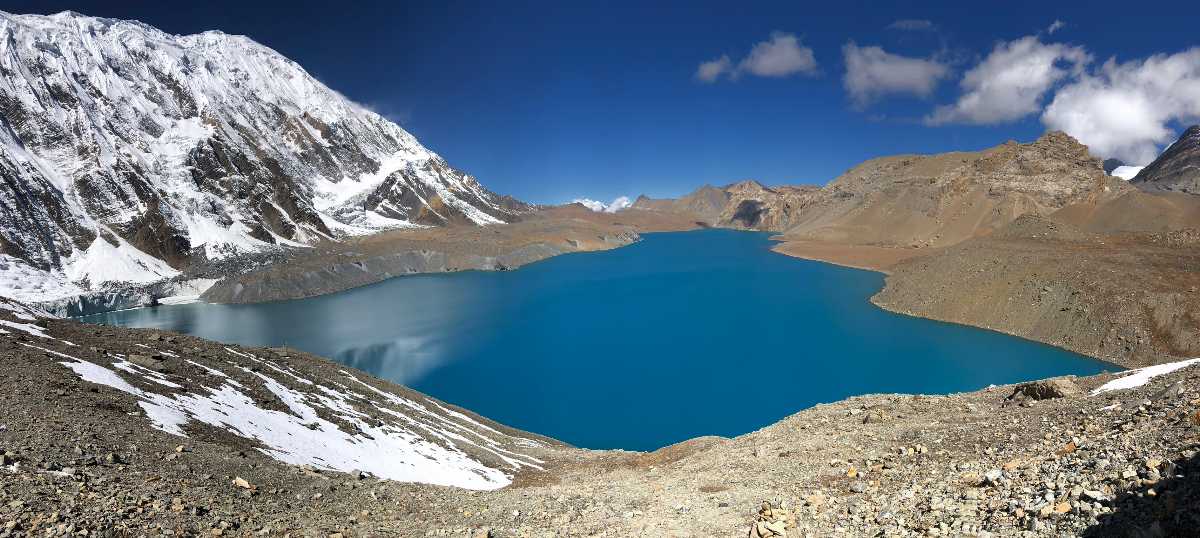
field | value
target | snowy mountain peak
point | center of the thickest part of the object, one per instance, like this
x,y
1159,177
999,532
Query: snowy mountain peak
x,y
123,140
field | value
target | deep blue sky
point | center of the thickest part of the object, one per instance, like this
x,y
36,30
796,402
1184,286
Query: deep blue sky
x,y
552,101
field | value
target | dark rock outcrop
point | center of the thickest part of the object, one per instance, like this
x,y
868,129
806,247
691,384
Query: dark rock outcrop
x,y
1177,169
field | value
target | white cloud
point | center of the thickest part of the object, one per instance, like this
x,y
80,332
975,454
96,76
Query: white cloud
x,y
912,25
781,56
872,72
711,70
619,203
1010,83
1055,26
1124,110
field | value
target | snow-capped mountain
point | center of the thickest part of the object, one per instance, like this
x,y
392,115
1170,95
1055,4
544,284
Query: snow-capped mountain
x,y
126,152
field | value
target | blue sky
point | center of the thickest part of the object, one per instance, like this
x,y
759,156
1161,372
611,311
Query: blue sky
x,y
552,101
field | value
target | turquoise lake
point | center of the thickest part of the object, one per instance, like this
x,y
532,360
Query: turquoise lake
x,y
677,336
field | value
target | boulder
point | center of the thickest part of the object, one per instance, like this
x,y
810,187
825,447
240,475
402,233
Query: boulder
x,y
1046,389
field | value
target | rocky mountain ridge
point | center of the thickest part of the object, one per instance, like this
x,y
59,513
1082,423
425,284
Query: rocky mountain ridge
x,y
915,200
128,153
1177,169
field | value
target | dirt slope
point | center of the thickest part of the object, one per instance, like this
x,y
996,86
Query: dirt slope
x,y
1131,298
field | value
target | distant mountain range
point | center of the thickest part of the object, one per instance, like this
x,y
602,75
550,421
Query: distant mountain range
x,y
126,153
912,200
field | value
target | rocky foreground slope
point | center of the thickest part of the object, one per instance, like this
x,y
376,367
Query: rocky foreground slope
x,y
111,431
1129,298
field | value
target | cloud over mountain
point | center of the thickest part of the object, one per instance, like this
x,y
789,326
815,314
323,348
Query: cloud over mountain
x,y
1125,110
1011,82
781,56
872,73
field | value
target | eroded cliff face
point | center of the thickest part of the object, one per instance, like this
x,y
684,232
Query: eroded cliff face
x,y
126,153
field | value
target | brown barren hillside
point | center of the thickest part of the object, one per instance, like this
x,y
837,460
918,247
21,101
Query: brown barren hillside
x,y
1131,299
539,235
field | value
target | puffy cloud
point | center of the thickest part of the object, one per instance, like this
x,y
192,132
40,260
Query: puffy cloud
x,y
711,70
872,72
621,202
912,25
1055,26
781,56
1010,83
1124,110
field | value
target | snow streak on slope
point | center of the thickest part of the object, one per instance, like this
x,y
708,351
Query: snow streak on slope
x,y
300,413
1141,376
203,145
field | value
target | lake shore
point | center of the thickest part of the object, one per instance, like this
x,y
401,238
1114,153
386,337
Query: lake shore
x,y
1072,457
358,262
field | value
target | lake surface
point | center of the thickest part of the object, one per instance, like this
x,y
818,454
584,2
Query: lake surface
x,y
680,335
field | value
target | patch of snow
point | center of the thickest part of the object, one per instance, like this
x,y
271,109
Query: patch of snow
x,y
301,436
28,328
24,282
144,372
22,311
619,203
1141,376
104,263
94,373
1126,172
